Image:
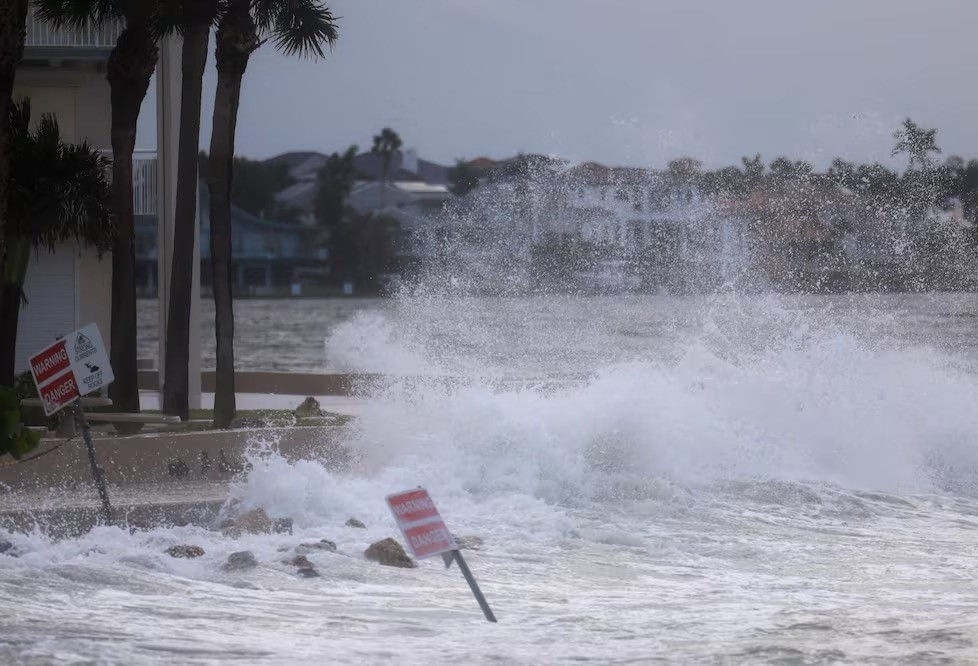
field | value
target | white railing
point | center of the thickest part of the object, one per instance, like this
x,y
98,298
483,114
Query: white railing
x,y
44,35
144,182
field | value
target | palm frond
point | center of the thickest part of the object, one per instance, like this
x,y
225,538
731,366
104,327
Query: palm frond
x,y
77,14
297,27
57,191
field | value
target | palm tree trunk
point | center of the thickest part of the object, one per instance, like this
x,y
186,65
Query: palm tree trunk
x,y
176,389
11,292
13,19
131,66
237,39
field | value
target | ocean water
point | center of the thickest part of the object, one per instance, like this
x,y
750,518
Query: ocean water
x,y
727,480
551,335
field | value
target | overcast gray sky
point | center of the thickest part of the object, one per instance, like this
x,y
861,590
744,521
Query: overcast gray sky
x,y
634,82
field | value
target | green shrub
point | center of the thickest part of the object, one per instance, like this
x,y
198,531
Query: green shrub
x,y
15,439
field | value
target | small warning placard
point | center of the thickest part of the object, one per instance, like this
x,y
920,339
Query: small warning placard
x,y
419,520
75,365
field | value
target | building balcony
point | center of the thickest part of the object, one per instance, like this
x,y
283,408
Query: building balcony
x,y
144,182
44,42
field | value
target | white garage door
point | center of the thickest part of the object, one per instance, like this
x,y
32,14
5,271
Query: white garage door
x,y
50,310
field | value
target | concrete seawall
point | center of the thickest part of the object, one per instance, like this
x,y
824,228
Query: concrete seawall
x,y
167,478
162,457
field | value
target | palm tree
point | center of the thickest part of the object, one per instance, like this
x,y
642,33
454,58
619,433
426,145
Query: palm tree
x,y
297,27
195,17
56,192
917,143
13,20
131,65
386,144
333,185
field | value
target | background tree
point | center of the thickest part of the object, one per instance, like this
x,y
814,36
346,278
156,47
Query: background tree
x,y
916,143
919,187
843,174
297,27
130,68
334,182
195,19
464,178
386,145
784,171
753,171
255,184
56,192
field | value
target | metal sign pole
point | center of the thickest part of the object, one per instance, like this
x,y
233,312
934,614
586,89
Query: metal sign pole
x,y
103,492
470,579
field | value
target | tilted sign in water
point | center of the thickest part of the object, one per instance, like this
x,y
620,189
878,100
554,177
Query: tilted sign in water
x,y
63,372
427,535
74,366
421,523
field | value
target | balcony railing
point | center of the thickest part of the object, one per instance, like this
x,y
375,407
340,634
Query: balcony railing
x,y
144,183
41,35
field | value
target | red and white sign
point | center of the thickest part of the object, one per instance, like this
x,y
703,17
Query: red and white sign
x,y
59,393
50,362
74,366
421,524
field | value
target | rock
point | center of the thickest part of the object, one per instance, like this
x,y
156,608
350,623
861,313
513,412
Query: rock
x,y
469,542
255,521
321,546
228,466
309,407
282,526
185,551
178,468
300,561
7,548
304,567
353,522
389,553
241,560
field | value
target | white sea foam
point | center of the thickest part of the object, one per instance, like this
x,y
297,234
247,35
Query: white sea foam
x,y
773,485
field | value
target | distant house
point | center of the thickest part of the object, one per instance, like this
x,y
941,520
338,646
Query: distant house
x,y
405,169
268,256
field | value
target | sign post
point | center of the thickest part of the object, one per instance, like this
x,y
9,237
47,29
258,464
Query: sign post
x,y
63,372
427,536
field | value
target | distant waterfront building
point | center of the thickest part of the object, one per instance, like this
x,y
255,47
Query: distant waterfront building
x,y
411,184
268,257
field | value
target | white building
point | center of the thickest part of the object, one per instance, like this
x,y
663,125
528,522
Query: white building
x,y
63,73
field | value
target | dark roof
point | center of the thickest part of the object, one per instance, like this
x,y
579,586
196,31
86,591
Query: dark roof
x,y
292,159
242,218
369,167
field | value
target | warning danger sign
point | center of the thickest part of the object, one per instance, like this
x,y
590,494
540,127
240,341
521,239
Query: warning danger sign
x,y
74,366
419,520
